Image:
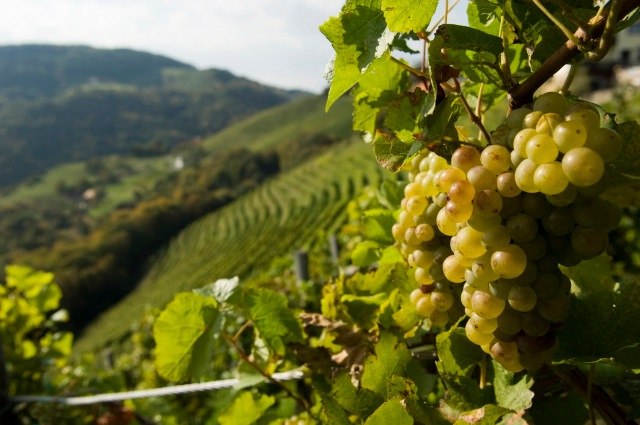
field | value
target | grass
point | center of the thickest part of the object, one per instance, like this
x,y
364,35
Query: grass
x,y
279,217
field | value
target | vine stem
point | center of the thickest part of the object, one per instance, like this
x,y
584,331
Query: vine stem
x,y
234,343
571,36
472,116
523,93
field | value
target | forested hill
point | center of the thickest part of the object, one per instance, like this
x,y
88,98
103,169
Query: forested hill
x,y
70,103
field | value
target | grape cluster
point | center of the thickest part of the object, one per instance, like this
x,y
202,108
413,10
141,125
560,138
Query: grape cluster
x,y
510,214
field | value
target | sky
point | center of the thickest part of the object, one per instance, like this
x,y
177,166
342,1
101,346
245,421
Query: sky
x,y
276,42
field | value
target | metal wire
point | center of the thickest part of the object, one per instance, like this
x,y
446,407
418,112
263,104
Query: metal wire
x,y
153,392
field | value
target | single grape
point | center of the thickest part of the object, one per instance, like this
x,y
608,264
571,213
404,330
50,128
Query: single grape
x,y
522,298
535,249
453,270
423,276
481,268
424,307
515,117
564,198
441,253
442,300
500,288
504,352
487,202
469,243
486,305
482,178
495,158
421,258
541,149
458,212
570,135
431,214
477,337
551,102
440,200
446,224
465,158
507,186
482,325
509,262
590,119
589,243
439,318
606,142
583,166
496,237
437,163
522,228
515,160
445,178
531,119
521,139
548,122
524,176
559,222
461,192
550,178
528,276
424,232
481,222
554,309
535,344
509,322
535,205
410,236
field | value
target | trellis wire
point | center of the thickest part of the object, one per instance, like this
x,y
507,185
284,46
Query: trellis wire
x,y
154,392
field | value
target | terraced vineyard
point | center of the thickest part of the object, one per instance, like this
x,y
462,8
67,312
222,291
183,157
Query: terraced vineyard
x,y
281,216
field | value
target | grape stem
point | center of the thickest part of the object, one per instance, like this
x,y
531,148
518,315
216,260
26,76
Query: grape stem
x,y
569,80
601,401
523,93
472,116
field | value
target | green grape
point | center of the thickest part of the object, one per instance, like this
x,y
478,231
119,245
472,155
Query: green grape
x,y
415,295
461,192
441,253
427,186
570,135
551,102
613,215
521,139
481,268
535,205
535,344
482,325
509,262
462,260
496,159
423,276
548,122
445,178
581,105
524,176
453,270
528,276
421,258
590,212
397,230
515,159
486,305
465,158
564,198
606,142
410,236
589,118
446,224
487,202
507,186
533,362
500,288
515,117
559,222
521,228
423,165
441,200
482,178
505,352
481,223
554,309
442,300
437,163
546,285
589,243
511,206
522,298
531,119
535,249
550,178
424,232
458,212
509,322
431,214
424,307
495,237
541,149
477,337
583,166
469,243
413,189
465,296
436,272
472,280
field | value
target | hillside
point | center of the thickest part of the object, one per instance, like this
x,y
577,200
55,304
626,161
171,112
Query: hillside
x,y
61,104
282,215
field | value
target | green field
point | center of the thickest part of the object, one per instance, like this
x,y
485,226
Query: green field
x,y
281,216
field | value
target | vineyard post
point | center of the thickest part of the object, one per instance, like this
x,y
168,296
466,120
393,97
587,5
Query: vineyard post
x,y
301,260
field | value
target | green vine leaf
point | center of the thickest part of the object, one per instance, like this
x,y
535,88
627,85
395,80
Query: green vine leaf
x,y
484,15
513,391
408,15
460,37
391,412
365,27
273,319
246,409
390,151
602,325
185,336
391,358
359,401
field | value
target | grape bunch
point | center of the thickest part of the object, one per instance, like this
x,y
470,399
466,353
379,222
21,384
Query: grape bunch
x,y
497,222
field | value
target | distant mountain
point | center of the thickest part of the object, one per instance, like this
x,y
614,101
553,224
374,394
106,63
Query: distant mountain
x,y
69,103
32,71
